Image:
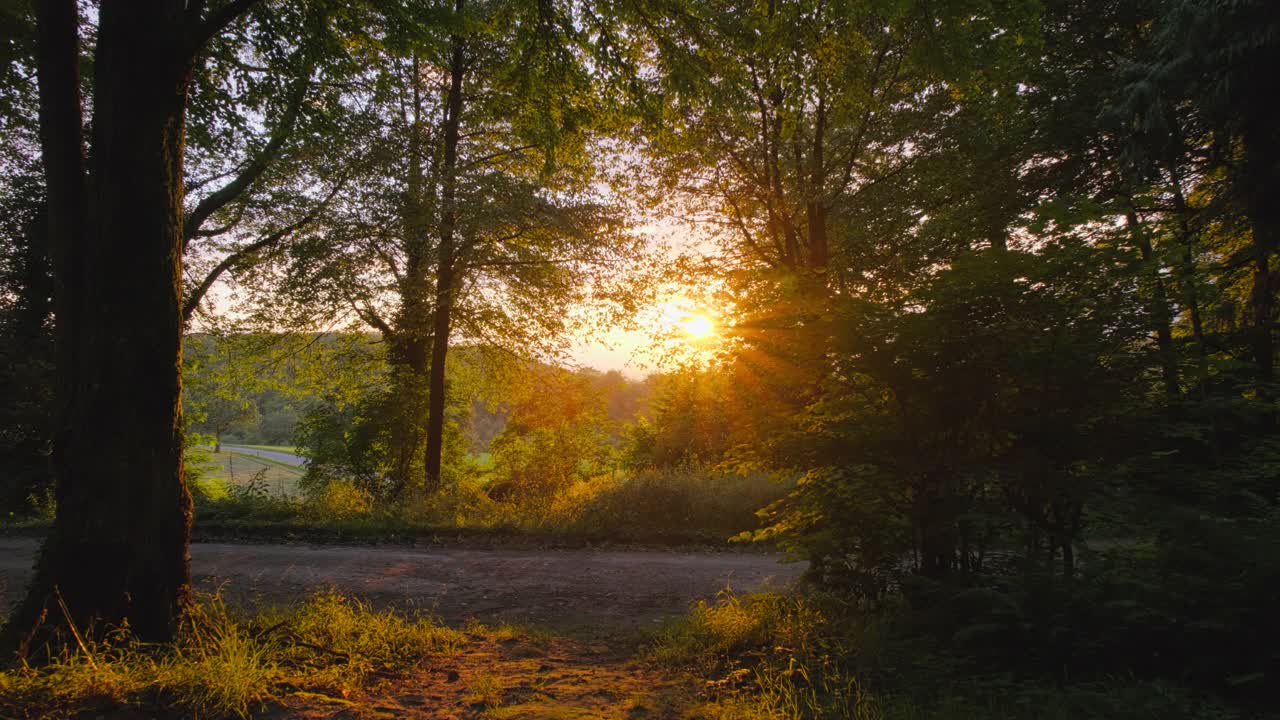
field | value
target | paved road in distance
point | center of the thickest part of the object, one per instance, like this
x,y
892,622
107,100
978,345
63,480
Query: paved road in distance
x,y
277,455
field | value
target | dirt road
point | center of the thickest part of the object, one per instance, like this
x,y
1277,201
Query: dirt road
x,y
617,589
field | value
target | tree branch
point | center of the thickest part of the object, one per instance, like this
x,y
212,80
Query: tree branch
x,y
197,294
204,29
371,318
500,153
219,198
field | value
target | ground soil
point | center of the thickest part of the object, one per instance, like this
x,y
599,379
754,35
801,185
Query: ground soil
x,y
593,611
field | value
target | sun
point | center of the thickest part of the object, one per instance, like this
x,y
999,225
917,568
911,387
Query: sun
x,y
697,326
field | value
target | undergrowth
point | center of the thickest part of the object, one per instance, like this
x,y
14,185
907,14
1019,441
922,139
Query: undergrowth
x,y
222,664
667,507
787,657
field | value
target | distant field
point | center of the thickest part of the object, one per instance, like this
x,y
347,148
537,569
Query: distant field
x,y
239,469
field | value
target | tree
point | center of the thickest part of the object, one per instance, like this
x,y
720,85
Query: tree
x,y
256,186
1213,55
118,549
554,435
793,131
471,215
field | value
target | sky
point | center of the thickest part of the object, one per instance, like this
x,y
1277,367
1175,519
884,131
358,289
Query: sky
x,y
674,328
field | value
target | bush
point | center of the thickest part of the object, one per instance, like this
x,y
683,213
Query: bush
x,y
338,500
677,504
781,657
685,498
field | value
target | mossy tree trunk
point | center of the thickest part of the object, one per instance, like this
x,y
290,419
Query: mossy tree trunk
x,y
118,551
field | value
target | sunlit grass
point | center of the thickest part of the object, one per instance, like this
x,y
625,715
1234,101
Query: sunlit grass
x,y
225,665
486,690
680,505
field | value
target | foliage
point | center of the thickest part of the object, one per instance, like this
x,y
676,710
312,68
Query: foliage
x,y
998,391
555,434
26,346
1003,302
689,420
813,658
673,506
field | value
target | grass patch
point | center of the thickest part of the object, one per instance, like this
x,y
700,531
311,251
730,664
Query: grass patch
x,y
237,469
678,507
485,690
785,657
222,664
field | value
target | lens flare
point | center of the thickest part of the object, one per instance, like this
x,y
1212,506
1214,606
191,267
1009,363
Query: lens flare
x,y
697,326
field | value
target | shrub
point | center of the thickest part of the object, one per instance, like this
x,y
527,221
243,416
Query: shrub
x,y
337,500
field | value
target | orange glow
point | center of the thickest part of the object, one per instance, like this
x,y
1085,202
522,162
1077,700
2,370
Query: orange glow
x,y
697,326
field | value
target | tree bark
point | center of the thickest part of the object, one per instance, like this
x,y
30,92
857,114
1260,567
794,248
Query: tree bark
x,y
408,405
445,280
1261,300
118,550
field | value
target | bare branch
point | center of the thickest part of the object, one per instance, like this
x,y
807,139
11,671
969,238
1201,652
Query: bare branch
x,y
198,292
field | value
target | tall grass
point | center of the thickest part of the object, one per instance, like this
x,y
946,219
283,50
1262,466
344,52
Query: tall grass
x,y
679,505
225,665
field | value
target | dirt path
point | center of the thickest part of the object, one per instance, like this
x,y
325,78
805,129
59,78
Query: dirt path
x,y
566,589
591,608
513,678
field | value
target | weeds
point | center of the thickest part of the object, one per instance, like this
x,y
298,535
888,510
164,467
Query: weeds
x,y
764,656
713,635
485,690
223,665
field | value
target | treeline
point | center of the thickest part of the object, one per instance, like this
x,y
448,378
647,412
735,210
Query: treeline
x,y
1003,291
529,446
536,424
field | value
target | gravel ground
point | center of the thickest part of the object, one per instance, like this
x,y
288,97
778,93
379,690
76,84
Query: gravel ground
x,y
614,589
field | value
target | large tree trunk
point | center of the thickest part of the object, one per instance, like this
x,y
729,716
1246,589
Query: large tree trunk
x,y
445,280
412,334
118,549
408,403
